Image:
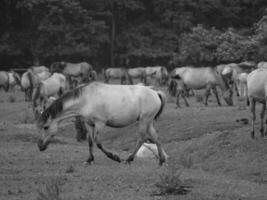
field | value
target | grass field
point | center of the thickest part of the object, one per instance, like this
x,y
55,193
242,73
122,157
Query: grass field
x,y
209,147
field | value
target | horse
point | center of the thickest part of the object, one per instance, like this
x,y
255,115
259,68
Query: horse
x,y
159,73
241,82
4,80
177,88
39,69
103,105
82,70
262,65
52,86
204,78
257,92
30,79
14,79
138,72
118,73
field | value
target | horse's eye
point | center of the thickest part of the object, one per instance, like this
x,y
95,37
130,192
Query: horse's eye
x,y
46,128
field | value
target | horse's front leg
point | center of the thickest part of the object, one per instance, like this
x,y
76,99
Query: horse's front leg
x,y
96,130
184,97
216,95
207,93
90,131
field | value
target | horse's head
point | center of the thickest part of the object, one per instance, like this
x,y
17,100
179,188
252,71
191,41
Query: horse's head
x,y
47,127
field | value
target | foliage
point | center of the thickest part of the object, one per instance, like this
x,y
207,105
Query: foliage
x,y
131,32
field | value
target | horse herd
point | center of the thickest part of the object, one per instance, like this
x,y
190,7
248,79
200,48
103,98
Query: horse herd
x,y
76,93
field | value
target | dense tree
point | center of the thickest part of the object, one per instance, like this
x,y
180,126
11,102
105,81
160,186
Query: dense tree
x,y
132,32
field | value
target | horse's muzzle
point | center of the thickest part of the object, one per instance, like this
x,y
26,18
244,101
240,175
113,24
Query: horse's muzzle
x,y
41,145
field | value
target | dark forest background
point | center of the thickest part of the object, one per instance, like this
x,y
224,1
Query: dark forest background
x,y
130,33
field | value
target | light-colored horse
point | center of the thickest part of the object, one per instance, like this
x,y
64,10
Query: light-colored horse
x,y
38,69
4,80
257,92
230,72
14,79
138,72
118,73
262,64
53,86
204,78
31,79
82,70
159,73
241,82
177,88
106,105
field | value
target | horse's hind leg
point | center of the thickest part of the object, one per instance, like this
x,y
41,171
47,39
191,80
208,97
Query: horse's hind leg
x,y
97,128
262,119
154,137
142,131
252,107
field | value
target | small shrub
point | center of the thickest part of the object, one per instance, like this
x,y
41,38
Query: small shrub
x,y
51,191
12,99
171,183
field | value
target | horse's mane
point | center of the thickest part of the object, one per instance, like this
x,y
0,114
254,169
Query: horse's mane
x,y
57,106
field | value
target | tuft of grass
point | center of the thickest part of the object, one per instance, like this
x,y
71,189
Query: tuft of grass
x,y
186,160
199,98
170,182
11,99
52,190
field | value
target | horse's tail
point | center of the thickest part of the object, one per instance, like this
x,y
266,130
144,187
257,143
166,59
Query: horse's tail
x,y
36,94
162,97
172,87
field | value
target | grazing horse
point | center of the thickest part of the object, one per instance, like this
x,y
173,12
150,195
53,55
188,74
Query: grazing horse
x,y
204,77
106,105
159,73
118,73
257,92
82,70
138,72
52,86
4,80
177,88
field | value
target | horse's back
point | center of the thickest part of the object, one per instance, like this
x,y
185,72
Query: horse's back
x,y
3,77
121,105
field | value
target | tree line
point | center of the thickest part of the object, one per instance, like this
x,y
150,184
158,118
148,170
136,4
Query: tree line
x,y
129,33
